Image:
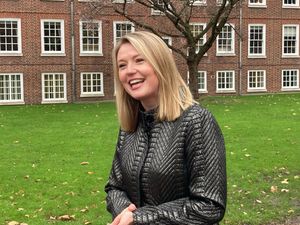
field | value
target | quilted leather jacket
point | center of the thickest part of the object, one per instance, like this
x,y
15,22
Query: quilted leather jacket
x,y
174,172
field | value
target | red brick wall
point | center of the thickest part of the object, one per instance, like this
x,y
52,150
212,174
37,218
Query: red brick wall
x,y
32,64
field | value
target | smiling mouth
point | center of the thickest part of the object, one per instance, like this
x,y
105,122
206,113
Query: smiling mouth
x,y
134,82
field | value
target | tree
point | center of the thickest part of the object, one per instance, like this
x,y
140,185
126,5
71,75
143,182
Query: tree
x,y
176,17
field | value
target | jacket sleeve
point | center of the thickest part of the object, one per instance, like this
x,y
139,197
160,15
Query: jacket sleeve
x,y
116,198
205,156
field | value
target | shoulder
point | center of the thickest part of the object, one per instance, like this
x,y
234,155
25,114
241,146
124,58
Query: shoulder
x,y
196,112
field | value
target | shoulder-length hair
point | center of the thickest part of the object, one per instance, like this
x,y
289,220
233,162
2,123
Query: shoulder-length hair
x,y
174,95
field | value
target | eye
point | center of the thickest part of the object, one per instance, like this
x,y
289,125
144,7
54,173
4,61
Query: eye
x,y
121,65
140,60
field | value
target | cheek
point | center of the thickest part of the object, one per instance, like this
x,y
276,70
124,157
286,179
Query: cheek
x,y
122,77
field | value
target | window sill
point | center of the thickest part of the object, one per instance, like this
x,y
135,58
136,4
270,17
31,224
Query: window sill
x,y
256,90
290,56
12,103
91,54
257,6
202,92
291,7
11,54
53,101
91,95
225,91
290,89
225,54
53,54
257,57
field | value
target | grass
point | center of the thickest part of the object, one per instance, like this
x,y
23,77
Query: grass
x,y
42,148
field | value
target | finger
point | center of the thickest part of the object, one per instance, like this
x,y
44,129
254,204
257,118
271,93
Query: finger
x,y
131,207
116,221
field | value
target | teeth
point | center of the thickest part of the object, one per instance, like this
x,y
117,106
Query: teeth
x,y
132,82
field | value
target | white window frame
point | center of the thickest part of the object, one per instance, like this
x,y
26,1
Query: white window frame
x,y
53,53
225,90
115,23
92,93
157,12
292,88
198,2
91,53
89,0
54,100
296,54
262,4
204,73
53,0
227,53
257,55
122,1
19,37
15,101
203,38
296,5
256,89
219,2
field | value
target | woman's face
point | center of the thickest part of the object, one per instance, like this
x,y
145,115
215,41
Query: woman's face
x,y
137,76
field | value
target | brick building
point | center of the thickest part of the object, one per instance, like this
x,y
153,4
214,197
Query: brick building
x,y
50,54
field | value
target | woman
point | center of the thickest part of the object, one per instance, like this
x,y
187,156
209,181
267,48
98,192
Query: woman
x,y
169,165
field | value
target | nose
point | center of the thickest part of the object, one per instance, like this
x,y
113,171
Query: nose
x,y
130,69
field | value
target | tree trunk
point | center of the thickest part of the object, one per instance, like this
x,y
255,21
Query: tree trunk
x,y
193,80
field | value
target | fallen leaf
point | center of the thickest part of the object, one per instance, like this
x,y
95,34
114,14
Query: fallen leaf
x,y
66,217
87,222
13,223
296,177
285,190
274,189
84,163
285,181
258,201
291,211
90,173
84,210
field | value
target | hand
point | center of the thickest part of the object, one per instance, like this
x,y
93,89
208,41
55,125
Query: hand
x,y
125,217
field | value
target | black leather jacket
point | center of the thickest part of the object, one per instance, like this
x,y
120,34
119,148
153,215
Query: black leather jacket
x,y
174,172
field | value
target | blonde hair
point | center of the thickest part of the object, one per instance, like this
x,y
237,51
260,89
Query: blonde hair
x,y
174,94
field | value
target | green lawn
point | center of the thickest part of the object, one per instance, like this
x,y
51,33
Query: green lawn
x,y
43,148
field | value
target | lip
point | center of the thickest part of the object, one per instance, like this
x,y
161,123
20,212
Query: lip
x,y
136,82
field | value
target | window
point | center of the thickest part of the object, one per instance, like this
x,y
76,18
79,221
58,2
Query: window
x,y
219,2
53,0
91,84
54,87
11,88
225,40
257,40
168,41
53,40
198,2
256,80
225,81
202,81
290,3
90,38
122,28
122,1
290,40
156,5
290,79
257,3
10,37
196,29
